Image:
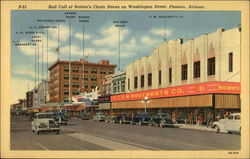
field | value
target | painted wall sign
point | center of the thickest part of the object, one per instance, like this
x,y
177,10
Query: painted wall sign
x,y
193,89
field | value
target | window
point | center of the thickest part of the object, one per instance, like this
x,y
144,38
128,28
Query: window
x,y
94,70
160,77
197,69
102,71
75,84
110,72
85,70
66,99
66,92
123,86
66,84
184,72
66,76
170,75
230,62
211,66
75,69
93,85
66,69
128,84
150,79
135,82
75,92
142,81
93,78
85,77
75,77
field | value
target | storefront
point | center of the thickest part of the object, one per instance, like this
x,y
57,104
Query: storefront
x,y
194,101
104,104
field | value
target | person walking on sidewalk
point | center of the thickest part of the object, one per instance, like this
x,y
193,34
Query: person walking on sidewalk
x,y
191,119
209,118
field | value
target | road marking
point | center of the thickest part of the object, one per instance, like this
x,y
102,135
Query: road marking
x,y
104,142
43,147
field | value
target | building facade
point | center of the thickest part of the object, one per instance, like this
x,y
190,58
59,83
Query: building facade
x,y
118,82
66,81
40,94
196,76
107,85
29,98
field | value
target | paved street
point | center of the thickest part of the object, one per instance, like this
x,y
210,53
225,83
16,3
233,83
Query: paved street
x,y
90,135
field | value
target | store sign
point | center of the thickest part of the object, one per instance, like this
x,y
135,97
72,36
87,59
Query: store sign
x,y
193,89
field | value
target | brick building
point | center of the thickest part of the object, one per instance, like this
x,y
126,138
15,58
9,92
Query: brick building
x,y
29,98
64,83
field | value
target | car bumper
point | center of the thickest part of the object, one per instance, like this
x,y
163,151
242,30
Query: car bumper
x,y
47,129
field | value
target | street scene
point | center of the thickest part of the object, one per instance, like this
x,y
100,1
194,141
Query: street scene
x,y
91,135
110,80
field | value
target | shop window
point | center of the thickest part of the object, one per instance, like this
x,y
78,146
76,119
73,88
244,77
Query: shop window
x,y
142,81
184,72
211,66
135,82
150,79
197,69
170,75
230,56
160,77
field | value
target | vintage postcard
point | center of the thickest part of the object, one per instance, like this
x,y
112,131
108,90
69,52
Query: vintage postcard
x,y
124,79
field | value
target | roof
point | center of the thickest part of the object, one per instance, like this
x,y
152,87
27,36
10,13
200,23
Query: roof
x,y
100,63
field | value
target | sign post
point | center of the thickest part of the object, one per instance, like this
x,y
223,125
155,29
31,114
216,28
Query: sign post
x,y
145,101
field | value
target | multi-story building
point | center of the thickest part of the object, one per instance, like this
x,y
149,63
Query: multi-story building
x,y
198,75
40,93
29,98
107,85
118,82
66,79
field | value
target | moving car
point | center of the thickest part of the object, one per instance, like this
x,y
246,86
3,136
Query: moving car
x,y
44,122
99,117
60,118
141,118
83,116
231,124
161,120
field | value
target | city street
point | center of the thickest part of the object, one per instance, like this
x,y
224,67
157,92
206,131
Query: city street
x,y
90,135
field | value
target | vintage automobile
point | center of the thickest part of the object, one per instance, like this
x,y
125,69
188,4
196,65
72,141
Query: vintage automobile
x,y
60,118
122,118
44,122
83,116
99,117
161,120
141,118
231,124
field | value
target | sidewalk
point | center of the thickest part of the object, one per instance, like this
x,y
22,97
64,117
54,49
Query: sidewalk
x,y
194,127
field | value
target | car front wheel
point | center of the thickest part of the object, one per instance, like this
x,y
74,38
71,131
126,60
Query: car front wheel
x,y
217,129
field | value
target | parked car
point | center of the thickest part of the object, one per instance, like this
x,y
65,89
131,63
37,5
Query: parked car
x,y
83,116
99,117
44,122
231,124
161,120
122,118
60,118
141,118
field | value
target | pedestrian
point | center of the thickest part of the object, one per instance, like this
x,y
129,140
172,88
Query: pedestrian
x,y
191,118
200,119
226,115
208,118
218,117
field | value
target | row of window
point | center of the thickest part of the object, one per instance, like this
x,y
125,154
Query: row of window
x,y
74,92
184,72
94,70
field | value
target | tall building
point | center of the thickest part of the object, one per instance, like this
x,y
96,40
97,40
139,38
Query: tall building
x,y
66,82
29,98
107,85
40,93
198,75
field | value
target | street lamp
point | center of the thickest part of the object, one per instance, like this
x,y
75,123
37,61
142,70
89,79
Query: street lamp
x,y
145,101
